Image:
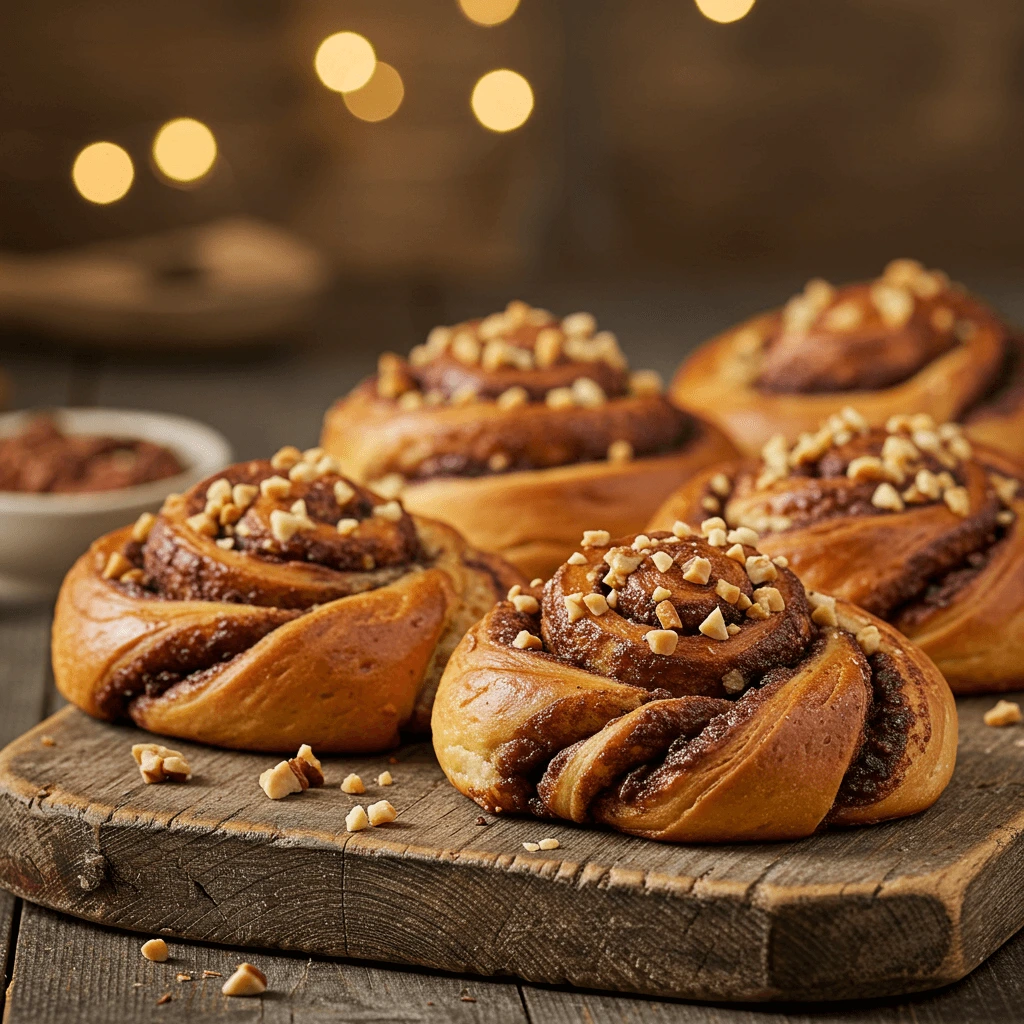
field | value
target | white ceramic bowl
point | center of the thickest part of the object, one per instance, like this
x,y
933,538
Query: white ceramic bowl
x,y
41,535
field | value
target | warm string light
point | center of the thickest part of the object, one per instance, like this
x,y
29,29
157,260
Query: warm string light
x,y
380,97
488,12
184,149
724,11
502,100
345,61
102,172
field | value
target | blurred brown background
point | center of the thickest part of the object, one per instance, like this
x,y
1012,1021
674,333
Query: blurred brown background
x,y
807,137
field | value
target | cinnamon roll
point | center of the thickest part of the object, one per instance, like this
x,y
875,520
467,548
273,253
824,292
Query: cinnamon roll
x,y
519,429
910,521
275,605
683,686
908,342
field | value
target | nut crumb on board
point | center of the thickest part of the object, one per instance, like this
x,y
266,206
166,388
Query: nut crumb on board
x,y
212,974
352,784
47,741
246,981
1005,712
385,779
293,776
160,764
155,950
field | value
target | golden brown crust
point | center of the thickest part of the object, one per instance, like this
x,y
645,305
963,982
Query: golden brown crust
x,y
591,725
947,571
519,430
908,342
313,636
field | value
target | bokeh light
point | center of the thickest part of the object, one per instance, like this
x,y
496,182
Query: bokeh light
x,y
502,100
184,149
724,11
488,12
102,172
380,97
345,61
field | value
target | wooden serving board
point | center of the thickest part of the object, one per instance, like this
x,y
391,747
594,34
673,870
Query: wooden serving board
x,y
892,909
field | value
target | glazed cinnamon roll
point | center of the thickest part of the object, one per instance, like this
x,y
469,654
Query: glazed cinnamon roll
x,y
275,605
910,521
683,686
519,429
908,342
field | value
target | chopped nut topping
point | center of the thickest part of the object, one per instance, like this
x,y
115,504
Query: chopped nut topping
x,y
465,395
597,603
845,316
531,847
275,487
246,981
160,764
1004,517
737,554
744,535
284,525
667,615
559,398
958,501
715,523
224,543
620,451
781,561
733,681
343,492
303,473
346,527
142,527
732,629
714,625
514,591
870,639
280,781
770,599
576,558
356,819
537,582
887,498
743,602
720,485
1005,712
710,503
645,383
757,611
391,511
284,458
717,538
526,641
513,398
1005,487
596,538
697,570
381,813
727,591
526,603
548,844
760,569
681,529
202,524
662,641
410,400
579,324
385,779
866,467
641,542
219,492
117,565
663,560
155,950
587,393
352,784
824,609
548,347
574,606
894,304
661,594
622,562
388,486
466,349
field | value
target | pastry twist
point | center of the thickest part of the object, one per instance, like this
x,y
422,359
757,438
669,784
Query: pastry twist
x,y
519,429
275,605
683,687
907,342
911,522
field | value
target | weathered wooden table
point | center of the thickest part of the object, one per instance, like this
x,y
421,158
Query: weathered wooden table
x,y
56,968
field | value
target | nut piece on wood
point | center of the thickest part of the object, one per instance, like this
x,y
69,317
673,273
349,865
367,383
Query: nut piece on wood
x,y
385,779
356,819
155,950
352,784
246,981
281,781
307,766
160,764
381,812
1006,712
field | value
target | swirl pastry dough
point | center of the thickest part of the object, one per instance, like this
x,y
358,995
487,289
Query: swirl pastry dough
x,y
276,605
519,429
910,521
907,342
683,687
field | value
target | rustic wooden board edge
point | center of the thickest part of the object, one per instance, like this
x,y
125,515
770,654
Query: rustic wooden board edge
x,y
672,936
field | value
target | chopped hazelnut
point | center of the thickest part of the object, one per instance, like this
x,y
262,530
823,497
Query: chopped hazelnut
x,y
667,615
710,503
720,485
1005,487
894,304
681,529
346,527
757,612
646,383
160,764
280,781
661,594
155,950
732,629
275,487
514,591
870,639
548,844
1004,517
663,560
587,393
381,812
781,561
579,324
737,554
717,538
577,559
284,458
559,398
574,606
307,767
597,603
714,625
356,819
385,779
390,510
662,641
622,562
513,397
641,542
727,591
526,603
219,492
620,451
697,570
284,525
744,535
596,538
1005,712
344,492
958,501
866,467
117,565
303,473
760,569
824,609
352,784
225,543
536,582
466,349
548,347
770,598
526,641
733,681
531,847
714,523
142,527
246,981
409,401
887,498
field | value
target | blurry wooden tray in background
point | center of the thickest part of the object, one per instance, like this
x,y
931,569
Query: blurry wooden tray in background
x,y
893,909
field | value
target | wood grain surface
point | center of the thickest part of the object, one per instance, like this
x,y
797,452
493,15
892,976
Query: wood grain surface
x,y
896,908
